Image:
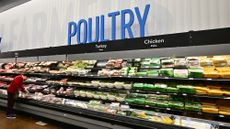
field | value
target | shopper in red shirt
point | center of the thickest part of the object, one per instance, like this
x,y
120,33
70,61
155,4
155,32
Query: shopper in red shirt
x,y
12,92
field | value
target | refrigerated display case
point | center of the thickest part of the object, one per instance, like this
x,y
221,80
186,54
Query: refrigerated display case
x,y
147,92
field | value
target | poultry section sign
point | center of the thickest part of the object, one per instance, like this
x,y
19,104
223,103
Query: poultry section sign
x,y
82,31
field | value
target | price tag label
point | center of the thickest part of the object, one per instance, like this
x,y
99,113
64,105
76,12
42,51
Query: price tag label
x,y
115,105
146,105
168,109
184,94
190,78
125,107
209,78
221,116
199,113
100,47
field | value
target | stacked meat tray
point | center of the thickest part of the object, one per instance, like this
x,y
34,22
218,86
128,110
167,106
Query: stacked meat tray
x,y
160,89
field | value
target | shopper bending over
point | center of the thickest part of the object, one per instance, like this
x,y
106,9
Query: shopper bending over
x,y
12,93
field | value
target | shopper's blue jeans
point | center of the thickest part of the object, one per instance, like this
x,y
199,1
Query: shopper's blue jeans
x,y
10,104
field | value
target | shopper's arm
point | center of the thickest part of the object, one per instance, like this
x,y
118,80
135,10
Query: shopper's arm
x,y
21,88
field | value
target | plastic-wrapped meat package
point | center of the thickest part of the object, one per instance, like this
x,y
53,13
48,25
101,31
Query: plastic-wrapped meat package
x,y
167,72
36,88
114,63
32,79
41,88
46,91
110,64
220,61
4,92
167,63
2,84
70,102
48,98
118,63
195,72
155,63
56,100
63,81
206,62
60,91
121,97
8,70
31,87
181,73
20,65
77,93
114,73
124,64
111,111
193,62
28,96
9,66
69,91
2,70
35,79
9,78
180,63
104,72
118,85
81,105
111,97
38,96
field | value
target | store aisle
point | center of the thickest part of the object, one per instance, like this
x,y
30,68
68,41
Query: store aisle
x,y
22,122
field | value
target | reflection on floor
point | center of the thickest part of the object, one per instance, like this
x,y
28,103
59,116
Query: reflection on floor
x,y
23,122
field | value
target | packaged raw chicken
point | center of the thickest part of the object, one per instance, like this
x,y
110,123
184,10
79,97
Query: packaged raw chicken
x,y
166,72
181,73
210,108
193,62
220,61
180,63
167,63
195,72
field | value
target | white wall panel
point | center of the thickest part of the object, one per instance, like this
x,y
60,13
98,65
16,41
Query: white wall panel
x,y
44,23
